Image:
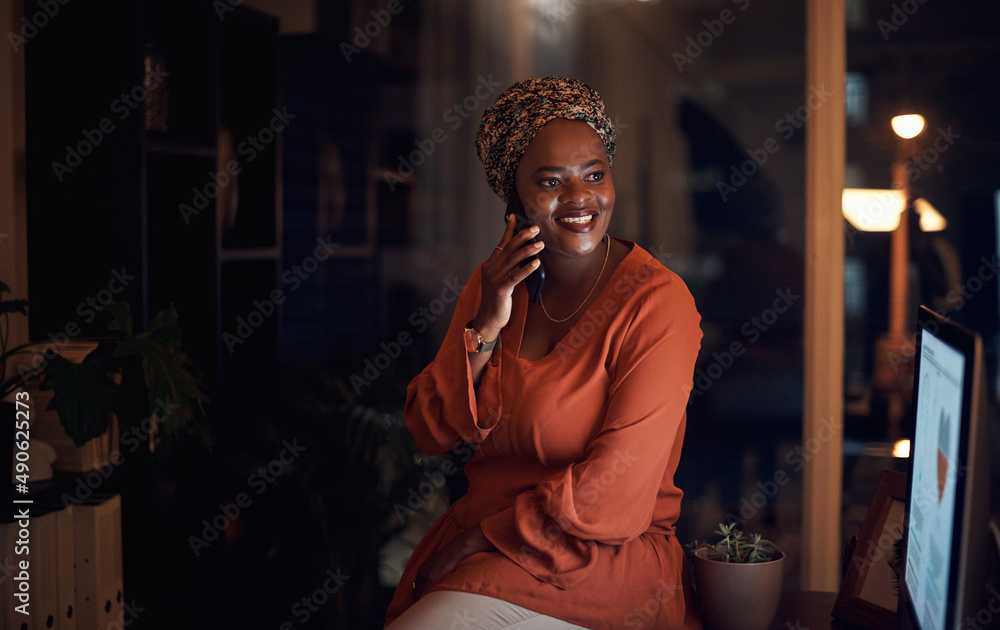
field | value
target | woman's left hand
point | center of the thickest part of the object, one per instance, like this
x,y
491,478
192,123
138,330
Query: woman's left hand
x,y
447,558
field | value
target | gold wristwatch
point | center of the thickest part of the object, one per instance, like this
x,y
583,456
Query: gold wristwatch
x,y
474,341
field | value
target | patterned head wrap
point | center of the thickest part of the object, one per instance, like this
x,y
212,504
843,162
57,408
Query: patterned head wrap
x,y
522,110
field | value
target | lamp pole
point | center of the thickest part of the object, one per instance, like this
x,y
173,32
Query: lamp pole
x,y
893,352
899,263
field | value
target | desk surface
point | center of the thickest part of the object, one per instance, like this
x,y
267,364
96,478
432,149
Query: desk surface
x,y
807,610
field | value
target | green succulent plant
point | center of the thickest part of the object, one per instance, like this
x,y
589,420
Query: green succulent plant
x,y
734,546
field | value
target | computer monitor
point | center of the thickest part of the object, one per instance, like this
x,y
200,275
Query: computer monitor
x,y
946,540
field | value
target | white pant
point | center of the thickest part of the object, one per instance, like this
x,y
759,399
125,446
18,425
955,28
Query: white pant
x,y
455,610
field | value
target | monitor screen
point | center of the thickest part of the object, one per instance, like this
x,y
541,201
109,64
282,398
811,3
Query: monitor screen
x,y
935,474
948,484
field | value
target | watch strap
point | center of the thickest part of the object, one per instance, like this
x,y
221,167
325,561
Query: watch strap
x,y
481,346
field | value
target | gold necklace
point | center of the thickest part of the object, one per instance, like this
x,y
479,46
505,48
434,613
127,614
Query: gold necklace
x,y
559,321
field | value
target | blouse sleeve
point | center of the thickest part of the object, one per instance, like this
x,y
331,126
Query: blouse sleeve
x,y
443,408
552,531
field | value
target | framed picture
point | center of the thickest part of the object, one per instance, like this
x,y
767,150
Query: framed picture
x,y
868,592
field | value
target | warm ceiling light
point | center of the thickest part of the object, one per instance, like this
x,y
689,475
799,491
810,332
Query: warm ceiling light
x,y
908,125
872,210
930,219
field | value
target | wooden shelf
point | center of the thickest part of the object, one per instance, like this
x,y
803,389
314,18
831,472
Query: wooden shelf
x,y
113,227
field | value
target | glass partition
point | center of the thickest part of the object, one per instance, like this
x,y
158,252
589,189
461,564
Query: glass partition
x,y
941,62
710,102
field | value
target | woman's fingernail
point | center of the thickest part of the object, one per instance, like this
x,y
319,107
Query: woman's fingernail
x,y
534,230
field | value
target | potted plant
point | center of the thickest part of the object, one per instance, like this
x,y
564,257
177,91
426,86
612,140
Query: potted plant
x,y
738,579
84,393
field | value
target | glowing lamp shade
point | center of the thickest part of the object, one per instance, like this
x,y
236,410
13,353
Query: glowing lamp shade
x,y
901,449
930,219
873,210
908,125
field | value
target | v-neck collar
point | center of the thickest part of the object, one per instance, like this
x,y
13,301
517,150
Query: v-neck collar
x,y
519,310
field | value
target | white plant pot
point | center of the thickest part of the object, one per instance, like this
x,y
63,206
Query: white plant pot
x,y
738,596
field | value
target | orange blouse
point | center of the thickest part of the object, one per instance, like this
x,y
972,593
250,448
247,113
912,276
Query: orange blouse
x,y
572,477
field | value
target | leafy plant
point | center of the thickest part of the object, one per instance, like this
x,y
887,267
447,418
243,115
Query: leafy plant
x,y
84,393
6,308
733,546
336,506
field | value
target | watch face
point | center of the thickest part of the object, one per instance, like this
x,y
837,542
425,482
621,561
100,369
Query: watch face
x,y
471,340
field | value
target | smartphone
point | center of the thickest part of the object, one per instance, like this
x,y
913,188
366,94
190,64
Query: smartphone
x,y
535,281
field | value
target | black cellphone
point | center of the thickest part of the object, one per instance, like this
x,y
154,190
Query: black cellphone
x,y
535,281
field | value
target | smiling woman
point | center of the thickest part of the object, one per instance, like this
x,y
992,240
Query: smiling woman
x,y
564,182
576,409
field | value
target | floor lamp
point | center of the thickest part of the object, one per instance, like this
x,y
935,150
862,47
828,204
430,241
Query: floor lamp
x,y
870,210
